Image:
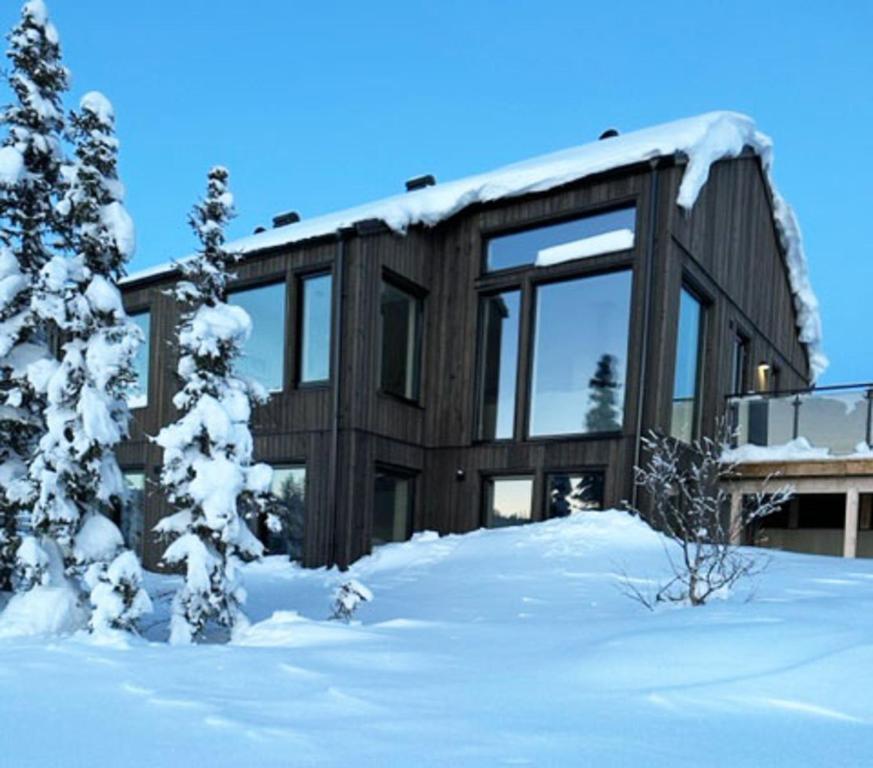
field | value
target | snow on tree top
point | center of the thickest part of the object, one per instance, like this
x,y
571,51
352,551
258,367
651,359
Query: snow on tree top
x,y
99,105
704,140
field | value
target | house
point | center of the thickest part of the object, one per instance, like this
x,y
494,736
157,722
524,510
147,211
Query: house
x,y
471,353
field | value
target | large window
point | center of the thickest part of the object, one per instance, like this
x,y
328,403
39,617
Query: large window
x,y
132,523
498,365
579,356
315,322
393,506
264,355
568,492
566,241
289,487
686,383
401,341
508,501
138,396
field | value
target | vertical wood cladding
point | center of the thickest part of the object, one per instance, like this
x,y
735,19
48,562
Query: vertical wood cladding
x,y
726,247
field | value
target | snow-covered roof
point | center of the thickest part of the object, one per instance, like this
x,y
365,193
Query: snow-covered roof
x,y
704,140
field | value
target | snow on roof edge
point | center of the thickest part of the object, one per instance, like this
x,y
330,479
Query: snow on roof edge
x,y
704,140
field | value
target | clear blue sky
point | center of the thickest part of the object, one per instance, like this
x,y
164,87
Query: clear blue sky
x,y
320,105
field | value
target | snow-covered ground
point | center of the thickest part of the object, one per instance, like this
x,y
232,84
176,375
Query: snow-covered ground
x,y
507,647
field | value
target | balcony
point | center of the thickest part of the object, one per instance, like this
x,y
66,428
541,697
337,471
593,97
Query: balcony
x,y
833,421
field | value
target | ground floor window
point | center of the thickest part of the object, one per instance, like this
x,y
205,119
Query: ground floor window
x,y
289,487
568,492
132,523
393,505
508,500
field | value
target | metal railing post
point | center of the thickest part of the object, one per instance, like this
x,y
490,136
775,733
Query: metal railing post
x,y
796,426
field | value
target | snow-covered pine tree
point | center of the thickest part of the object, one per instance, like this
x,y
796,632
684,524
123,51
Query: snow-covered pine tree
x,y
30,165
78,485
208,474
603,414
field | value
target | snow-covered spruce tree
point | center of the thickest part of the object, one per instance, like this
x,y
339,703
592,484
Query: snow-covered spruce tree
x,y
78,485
30,165
208,474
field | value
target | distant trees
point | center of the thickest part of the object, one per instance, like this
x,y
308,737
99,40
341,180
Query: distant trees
x,y
604,414
687,503
208,472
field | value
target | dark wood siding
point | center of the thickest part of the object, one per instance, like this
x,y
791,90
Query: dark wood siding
x,y
727,247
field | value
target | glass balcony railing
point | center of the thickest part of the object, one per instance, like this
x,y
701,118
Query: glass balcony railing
x,y
839,419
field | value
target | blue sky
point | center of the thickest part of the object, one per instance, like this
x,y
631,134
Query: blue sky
x,y
315,106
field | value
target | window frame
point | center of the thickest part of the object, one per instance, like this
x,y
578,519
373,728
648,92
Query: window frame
x,y
399,473
300,277
419,294
251,284
144,309
704,300
486,494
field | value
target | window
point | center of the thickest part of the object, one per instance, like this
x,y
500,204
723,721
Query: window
x,y
139,393
315,323
686,381
132,523
508,501
393,506
401,341
740,365
498,365
580,346
289,487
568,240
572,492
263,358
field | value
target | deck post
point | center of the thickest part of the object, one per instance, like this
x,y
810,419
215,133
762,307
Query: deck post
x,y
736,520
850,533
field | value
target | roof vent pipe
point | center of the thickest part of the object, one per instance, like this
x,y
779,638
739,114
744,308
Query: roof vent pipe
x,y
420,182
284,219
609,133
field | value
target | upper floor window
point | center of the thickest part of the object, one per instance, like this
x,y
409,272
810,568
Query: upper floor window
x,y
264,356
686,380
401,341
565,241
315,323
498,364
138,395
580,349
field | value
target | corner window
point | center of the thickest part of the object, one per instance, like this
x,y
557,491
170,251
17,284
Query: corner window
x,y
579,356
573,492
263,358
138,394
289,487
315,324
508,501
401,341
132,523
686,381
393,506
498,364
565,241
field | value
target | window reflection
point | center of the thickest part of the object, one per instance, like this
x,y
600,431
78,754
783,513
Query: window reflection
x,y
580,347
264,354
508,501
315,328
499,364
401,341
687,375
573,492
568,240
132,523
138,394
289,487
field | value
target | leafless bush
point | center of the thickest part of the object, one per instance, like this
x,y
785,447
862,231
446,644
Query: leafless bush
x,y
688,504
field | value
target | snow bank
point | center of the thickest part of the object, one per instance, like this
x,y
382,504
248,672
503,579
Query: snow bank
x,y
43,611
704,140
799,449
